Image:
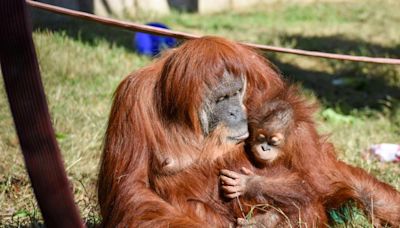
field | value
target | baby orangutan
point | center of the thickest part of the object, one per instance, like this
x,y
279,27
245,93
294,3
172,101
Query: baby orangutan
x,y
268,132
267,149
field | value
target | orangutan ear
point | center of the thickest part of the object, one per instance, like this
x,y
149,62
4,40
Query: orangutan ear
x,y
204,121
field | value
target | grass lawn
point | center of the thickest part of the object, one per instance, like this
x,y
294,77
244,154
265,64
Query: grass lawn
x,y
82,63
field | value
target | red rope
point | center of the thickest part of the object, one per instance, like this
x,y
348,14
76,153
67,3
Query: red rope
x,y
31,116
181,35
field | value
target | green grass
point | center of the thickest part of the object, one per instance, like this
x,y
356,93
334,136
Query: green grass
x,y
82,63
79,81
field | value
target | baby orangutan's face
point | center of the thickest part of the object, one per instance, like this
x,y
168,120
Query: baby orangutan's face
x,y
267,147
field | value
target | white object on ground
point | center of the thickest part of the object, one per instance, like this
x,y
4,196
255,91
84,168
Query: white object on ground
x,y
386,152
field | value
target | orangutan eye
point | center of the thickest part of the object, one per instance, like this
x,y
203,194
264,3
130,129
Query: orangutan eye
x,y
222,98
261,138
274,140
238,92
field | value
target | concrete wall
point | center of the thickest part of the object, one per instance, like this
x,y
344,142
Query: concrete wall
x,y
120,8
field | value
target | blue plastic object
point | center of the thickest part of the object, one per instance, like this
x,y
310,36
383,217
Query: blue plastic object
x,y
151,45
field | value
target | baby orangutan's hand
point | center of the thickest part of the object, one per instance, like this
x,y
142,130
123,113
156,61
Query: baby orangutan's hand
x,y
234,184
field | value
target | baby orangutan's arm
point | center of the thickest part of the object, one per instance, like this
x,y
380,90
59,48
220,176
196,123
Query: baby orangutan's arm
x,y
283,186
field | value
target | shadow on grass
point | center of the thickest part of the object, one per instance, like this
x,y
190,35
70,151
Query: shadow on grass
x,y
347,85
340,44
348,88
85,31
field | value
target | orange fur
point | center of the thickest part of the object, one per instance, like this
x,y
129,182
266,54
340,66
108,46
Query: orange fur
x,y
155,117
279,184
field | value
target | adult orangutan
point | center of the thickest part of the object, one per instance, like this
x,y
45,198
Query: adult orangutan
x,y
161,117
164,114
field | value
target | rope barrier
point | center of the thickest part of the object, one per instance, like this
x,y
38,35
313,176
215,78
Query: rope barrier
x,y
181,35
27,99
